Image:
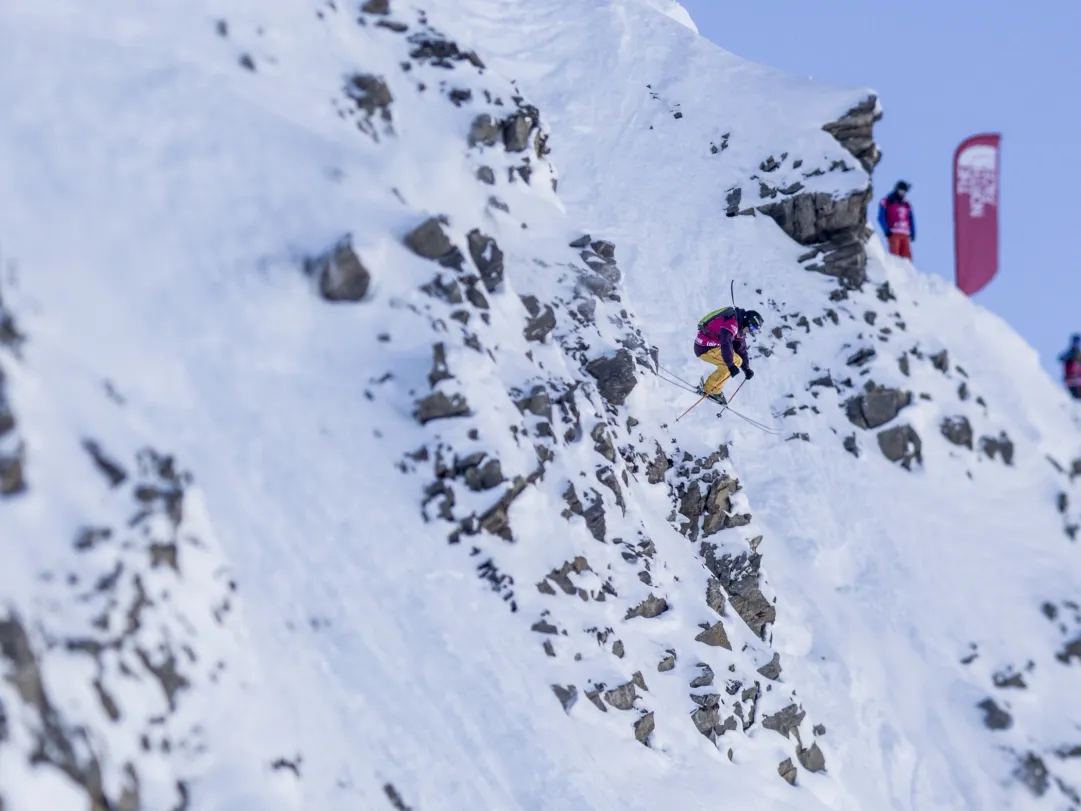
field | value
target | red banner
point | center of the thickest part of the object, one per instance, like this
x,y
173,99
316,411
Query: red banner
x,y
975,211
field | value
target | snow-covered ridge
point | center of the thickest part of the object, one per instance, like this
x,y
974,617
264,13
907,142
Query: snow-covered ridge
x,y
338,471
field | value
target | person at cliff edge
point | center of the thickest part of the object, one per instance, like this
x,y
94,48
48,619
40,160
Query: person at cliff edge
x,y
1071,367
898,223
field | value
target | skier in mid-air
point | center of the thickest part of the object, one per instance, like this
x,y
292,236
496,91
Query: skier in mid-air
x,y
722,341
897,221
1071,367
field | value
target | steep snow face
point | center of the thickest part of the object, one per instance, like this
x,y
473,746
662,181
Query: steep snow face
x,y
338,469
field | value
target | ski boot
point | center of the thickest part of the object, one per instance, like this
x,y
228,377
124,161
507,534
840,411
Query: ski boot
x,y
718,398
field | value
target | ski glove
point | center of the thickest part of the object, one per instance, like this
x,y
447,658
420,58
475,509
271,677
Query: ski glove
x,y
733,370
749,373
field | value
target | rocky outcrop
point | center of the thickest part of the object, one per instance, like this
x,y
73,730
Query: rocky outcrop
x,y
835,228
876,406
901,444
739,576
339,273
855,132
994,717
1000,446
614,375
958,430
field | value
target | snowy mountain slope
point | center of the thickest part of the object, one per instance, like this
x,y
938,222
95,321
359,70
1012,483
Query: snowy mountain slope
x,y
424,520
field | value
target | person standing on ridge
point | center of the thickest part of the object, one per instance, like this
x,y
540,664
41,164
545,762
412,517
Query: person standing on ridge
x,y
722,341
1071,367
897,221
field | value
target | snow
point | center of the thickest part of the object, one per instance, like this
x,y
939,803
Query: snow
x,y
159,201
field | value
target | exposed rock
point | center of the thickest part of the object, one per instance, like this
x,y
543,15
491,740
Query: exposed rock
x,y
376,7
582,241
537,403
772,671
12,480
485,476
704,678
339,272
1070,652
561,576
658,467
901,444
835,227
861,357
941,361
439,406
667,663
540,322
851,445
1032,771
488,259
715,595
614,375
370,93
739,576
854,131
876,407
707,718
485,130
732,200
602,442
1007,678
517,128
622,697
787,770
486,175
567,696
430,47
430,241
1001,446
811,759
440,370
643,728
603,248
714,636
958,430
649,608
994,717
786,721
109,467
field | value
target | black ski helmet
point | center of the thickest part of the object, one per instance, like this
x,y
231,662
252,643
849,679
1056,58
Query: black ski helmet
x,y
750,320
902,185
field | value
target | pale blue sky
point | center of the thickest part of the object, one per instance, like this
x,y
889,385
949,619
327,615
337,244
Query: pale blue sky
x,y
945,70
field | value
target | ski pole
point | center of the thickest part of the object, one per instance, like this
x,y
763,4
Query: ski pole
x,y
688,411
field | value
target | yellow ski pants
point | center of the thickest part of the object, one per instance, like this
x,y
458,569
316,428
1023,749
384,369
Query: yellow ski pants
x,y
715,382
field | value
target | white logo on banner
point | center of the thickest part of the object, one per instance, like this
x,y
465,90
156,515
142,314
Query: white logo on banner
x,y
977,176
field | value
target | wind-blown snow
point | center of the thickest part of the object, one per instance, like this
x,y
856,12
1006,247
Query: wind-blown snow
x,y
160,198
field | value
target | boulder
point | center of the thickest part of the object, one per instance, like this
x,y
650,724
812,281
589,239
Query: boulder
x,y
811,759
540,321
485,130
787,770
12,479
340,274
901,444
622,697
430,241
705,676
516,130
487,257
614,375
643,728
649,608
376,7
714,635
994,717
876,406
1001,446
715,595
370,93
486,175
1032,771
667,663
658,466
958,430
772,670
786,721
439,406
861,356
567,696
